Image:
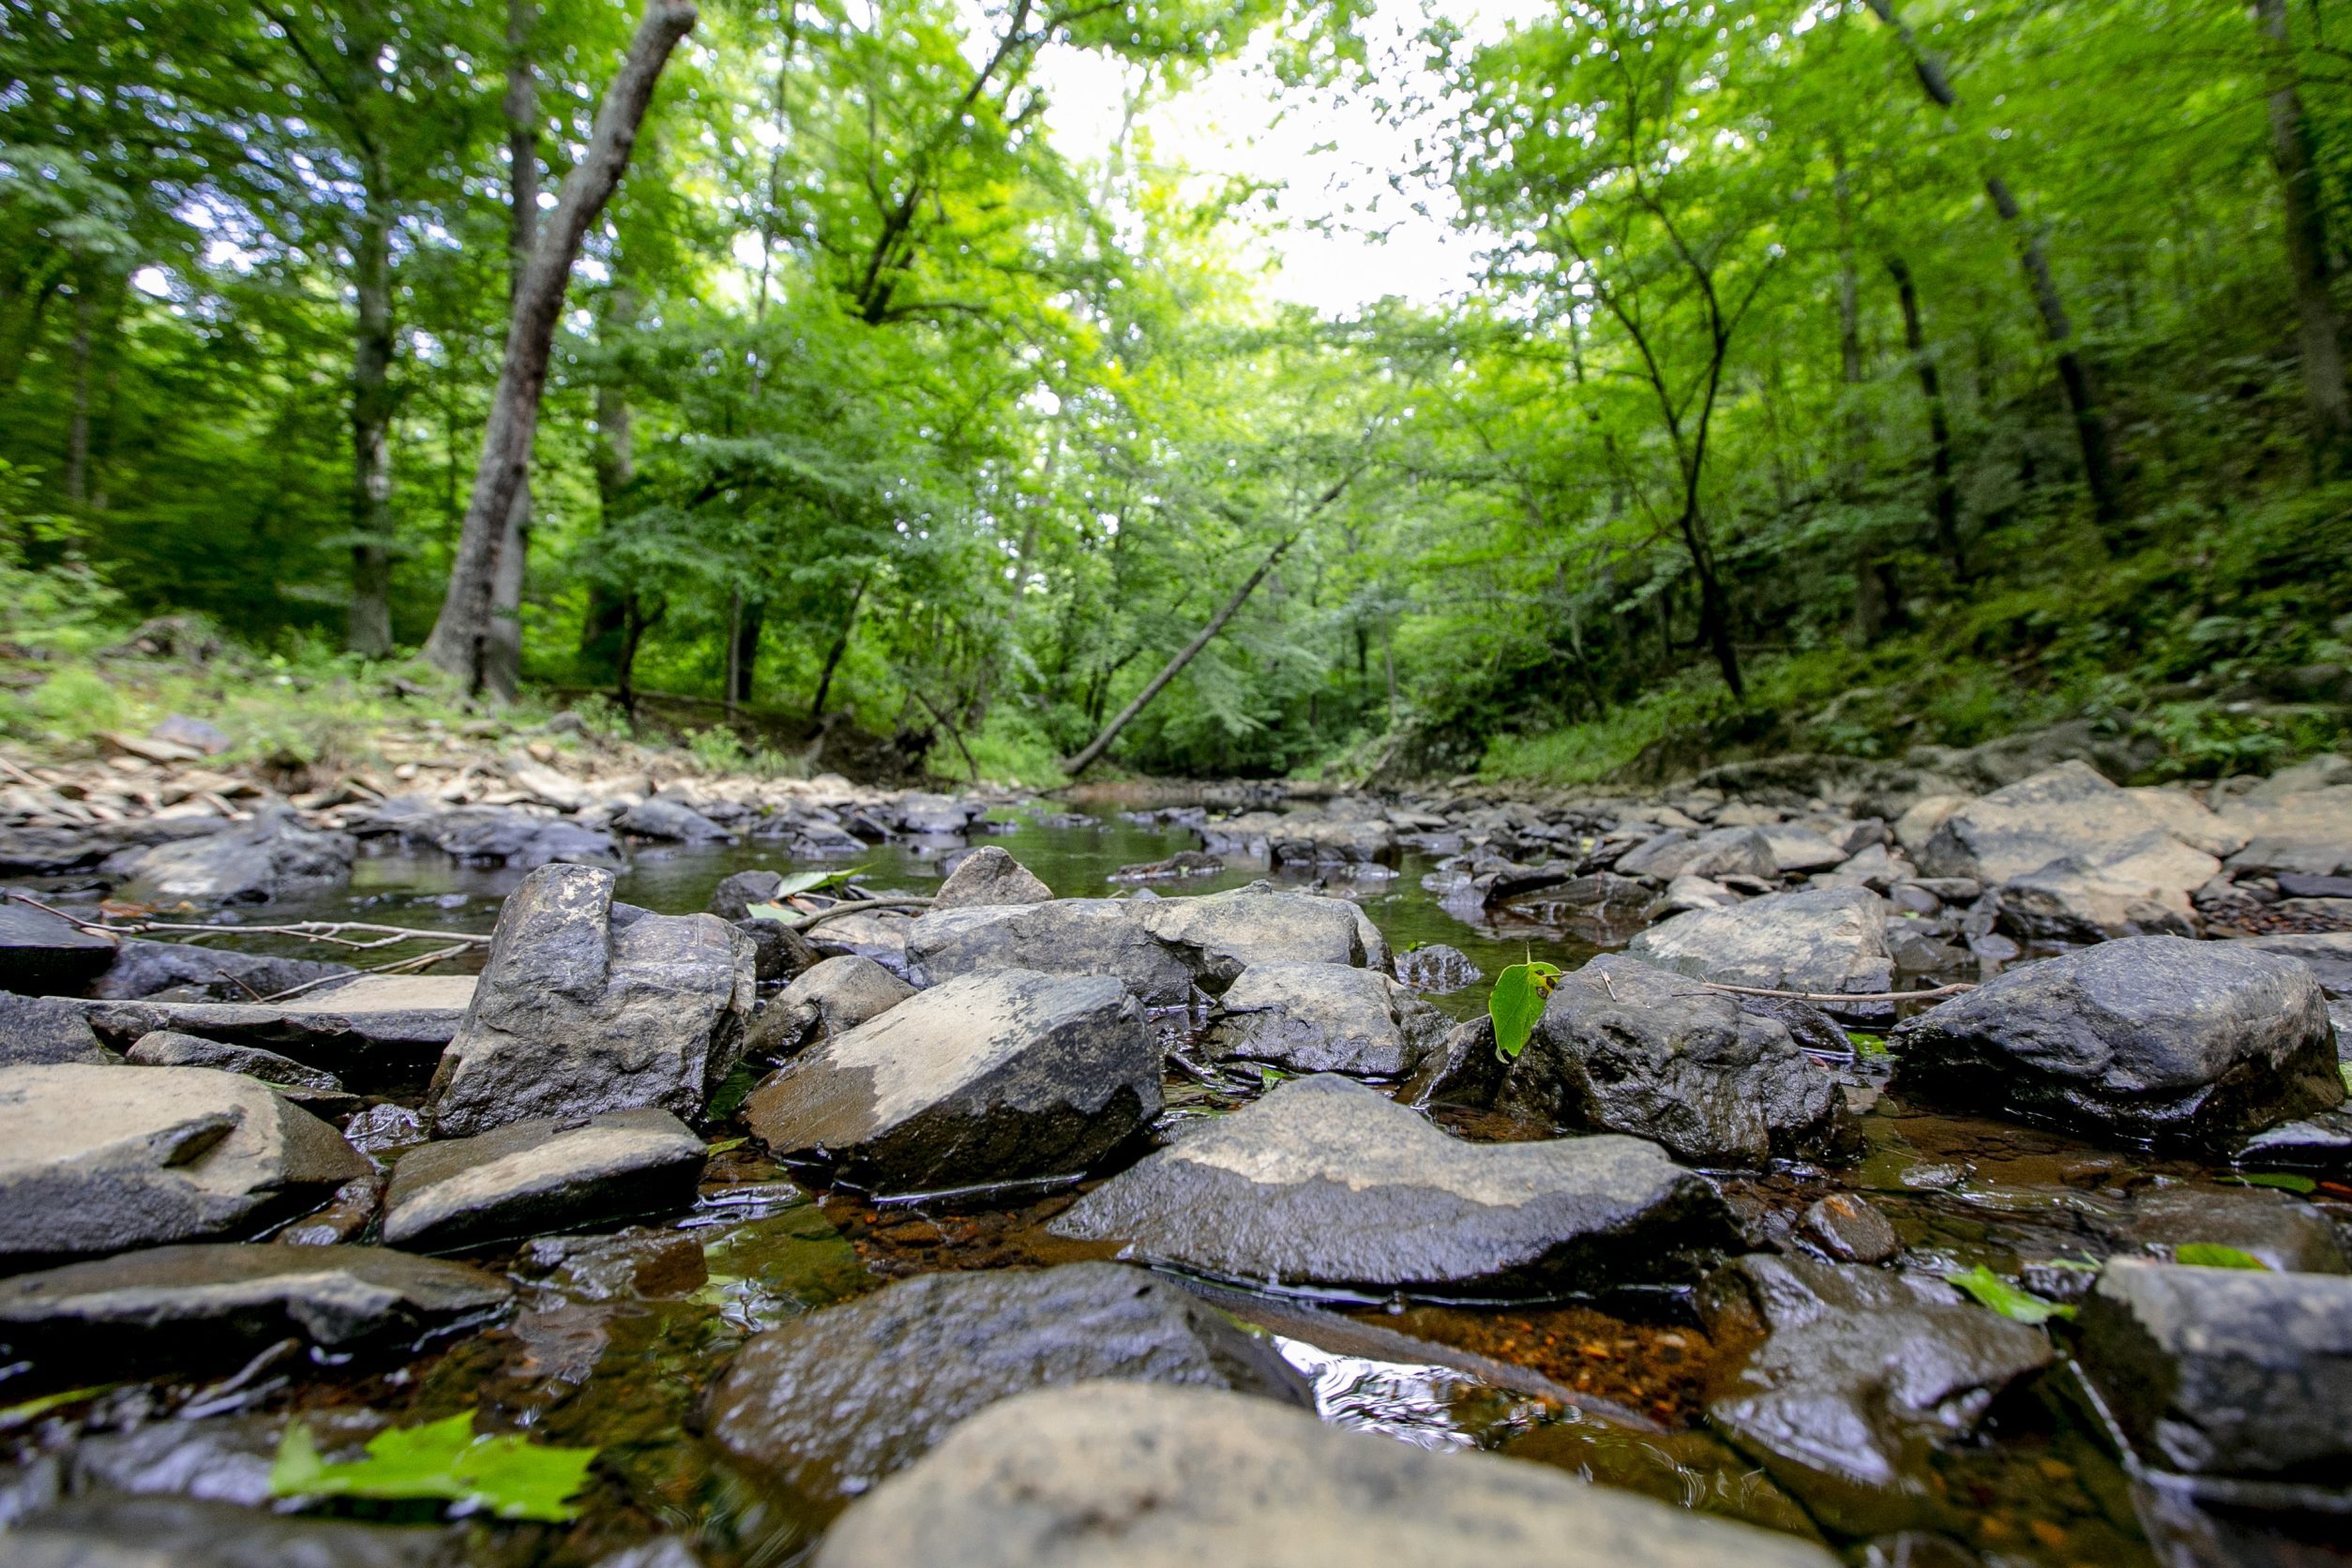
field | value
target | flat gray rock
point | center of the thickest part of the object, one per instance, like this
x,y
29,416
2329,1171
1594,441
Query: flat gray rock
x,y
1324,1018
528,1178
249,863
1841,1379
189,1308
1134,1475
1327,1183
2225,1372
1822,939
836,1400
97,1159
660,818
166,1048
1725,851
105,1530
41,955
989,875
1435,968
990,1077
2327,954
585,1006
39,1031
374,1030
2068,812
2152,1038
142,969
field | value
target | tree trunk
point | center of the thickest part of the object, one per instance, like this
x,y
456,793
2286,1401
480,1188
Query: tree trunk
x,y
1946,499
832,654
2319,332
743,666
460,637
77,476
502,661
634,623
369,630
1174,667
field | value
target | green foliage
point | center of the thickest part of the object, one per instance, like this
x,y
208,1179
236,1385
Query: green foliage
x,y
2284,1181
25,1411
2214,1255
803,882
1990,1289
506,1474
1517,1005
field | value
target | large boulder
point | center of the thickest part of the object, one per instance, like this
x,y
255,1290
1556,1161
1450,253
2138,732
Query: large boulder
x,y
41,1032
188,1308
990,876
1126,1475
2068,813
989,1077
97,1159
2151,1038
1161,948
1827,940
1841,1379
1324,1018
255,862
1327,1183
43,954
2225,1372
835,1401
585,1006
193,973
1624,1047
2070,901
530,1177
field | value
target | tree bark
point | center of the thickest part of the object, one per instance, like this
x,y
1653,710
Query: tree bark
x,y
459,637
77,474
1174,667
501,663
2319,334
750,618
1946,497
832,654
368,629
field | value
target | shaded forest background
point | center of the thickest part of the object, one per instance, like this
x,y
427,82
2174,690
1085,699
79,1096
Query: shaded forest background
x,y
1843,375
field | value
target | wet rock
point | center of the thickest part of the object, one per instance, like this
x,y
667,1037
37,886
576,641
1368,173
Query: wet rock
x,y
96,1159
2291,1236
1324,1018
1841,1379
41,955
1827,939
1735,851
373,1030
1435,970
880,935
142,969
777,951
989,1077
166,1048
658,816
357,1204
251,862
1626,1046
528,1178
1326,1182
1123,1474
224,1459
2067,813
2070,901
2327,954
1310,841
1183,863
990,876
194,1307
103,1531
835,1401
1463,1069
487,835
628,1265
2225,1372
1848,1229
41,1032
732,899
585,1006
1796,849
831,998
2152,1038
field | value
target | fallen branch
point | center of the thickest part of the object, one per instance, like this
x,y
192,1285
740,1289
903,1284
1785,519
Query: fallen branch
x,y
331,932
855,906
1938,994
397,965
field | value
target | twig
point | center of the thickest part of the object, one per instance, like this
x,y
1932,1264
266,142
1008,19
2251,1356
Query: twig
x,y
397,965
1940,991
855,906
20,775
305,930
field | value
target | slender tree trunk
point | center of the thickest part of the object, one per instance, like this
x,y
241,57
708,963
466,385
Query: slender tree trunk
x,y
750,620
634,623
832,654
369,630
1946,496
2319,336
77,474
461,636
1174,667
501,660
1872,582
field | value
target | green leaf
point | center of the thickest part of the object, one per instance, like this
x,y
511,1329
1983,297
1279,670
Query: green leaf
x,y
1517,1003
2283,1180
725,1145
13,1416
2213,1255
1991,1289
1867,1045
798,882
506,1474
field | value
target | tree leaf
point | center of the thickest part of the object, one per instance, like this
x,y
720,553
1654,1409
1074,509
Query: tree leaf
x,y
1991,1289
2286,1181
506,1474
1517,1003
12,1416
2213,1255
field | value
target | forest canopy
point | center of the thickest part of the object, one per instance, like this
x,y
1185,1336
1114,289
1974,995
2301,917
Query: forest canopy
x,y
1843,375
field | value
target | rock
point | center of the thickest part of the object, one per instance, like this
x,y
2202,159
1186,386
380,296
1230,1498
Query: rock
x,y
2069,902
989,1077
1848,1229
140,969
96,1159
189,1308
1725,851
166,1048
194,734
1687,892
2327,954
1324,1018
1325,1182
2068,813
108,1530
1840,1379
838,1400
830,998
658,817
777,951
585,1006
989,876
880,935
1125,1475
1160,947
1435,970
1797,849
1917,825
732,899
1184,862
42,1031
1875,867
1462,1070
1624,1047
638,1264
528,1178
2186,818
1826,940
2151,1038
487,835
2283,1232
371,1030
41,955
247,863
1308,841
2225,1372
2296,830
532,777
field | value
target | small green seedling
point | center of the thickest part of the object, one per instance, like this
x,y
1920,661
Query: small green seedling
x,y
508,1475
1991,1289
1517,1003
2213,1255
